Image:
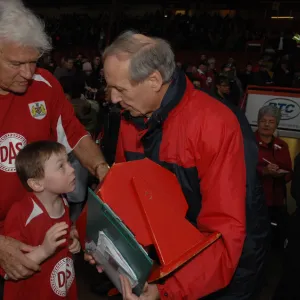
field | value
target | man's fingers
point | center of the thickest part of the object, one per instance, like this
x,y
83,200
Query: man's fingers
x,y
98,267
23,272
126,288
145,287
89,258
26,248
123,286
11,276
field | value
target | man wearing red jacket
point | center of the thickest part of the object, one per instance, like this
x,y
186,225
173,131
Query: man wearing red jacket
x,y
195,137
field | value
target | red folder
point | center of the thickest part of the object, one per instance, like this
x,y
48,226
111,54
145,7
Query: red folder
x,y
149,201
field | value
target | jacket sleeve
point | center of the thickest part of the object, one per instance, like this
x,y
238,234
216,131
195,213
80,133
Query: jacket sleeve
x,y
221,168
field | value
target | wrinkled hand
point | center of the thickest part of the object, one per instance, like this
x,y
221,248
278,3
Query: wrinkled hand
x,y
53,238
13,261
75,246
150,291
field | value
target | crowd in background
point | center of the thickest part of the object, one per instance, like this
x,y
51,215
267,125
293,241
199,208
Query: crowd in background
x,y
202,32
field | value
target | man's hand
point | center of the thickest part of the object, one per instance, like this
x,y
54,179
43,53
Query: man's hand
x,y
89,258
13,261
150,291
75,246
54,238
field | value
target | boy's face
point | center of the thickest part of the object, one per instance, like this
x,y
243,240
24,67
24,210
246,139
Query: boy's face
x,y
59,175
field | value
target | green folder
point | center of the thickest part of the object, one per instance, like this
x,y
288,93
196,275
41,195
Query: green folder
x,y
101,218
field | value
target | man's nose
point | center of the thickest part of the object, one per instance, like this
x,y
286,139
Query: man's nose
x,y
26,71
115,97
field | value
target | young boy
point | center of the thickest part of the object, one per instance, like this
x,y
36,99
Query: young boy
x,y
42,220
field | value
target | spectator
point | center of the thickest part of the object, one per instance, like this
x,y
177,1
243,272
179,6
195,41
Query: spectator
x,y
236,90
262,77
66,69
201,76
247,76
283,75
274,167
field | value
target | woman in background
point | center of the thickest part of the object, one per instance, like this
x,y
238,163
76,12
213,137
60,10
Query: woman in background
x,y
274,167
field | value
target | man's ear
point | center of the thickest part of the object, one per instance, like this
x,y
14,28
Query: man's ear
x,y
155,81
35,184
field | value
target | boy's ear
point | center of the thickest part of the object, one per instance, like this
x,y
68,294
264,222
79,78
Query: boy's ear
x,y
35,184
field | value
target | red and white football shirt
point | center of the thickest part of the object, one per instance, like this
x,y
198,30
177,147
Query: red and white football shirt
x,y
28,222
42,113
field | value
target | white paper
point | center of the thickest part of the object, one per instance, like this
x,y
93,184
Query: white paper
x,y
111,261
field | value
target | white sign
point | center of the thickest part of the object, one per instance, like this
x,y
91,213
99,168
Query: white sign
x,y
289,125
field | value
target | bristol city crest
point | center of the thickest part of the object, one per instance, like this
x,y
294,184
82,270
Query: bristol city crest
x,y
38,110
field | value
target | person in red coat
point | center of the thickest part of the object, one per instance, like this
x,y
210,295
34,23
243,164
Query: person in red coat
x,y
201,76
274,166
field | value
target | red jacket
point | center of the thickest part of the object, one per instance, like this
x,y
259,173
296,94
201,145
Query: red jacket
x,y
211,78
277,153
200,140
202,78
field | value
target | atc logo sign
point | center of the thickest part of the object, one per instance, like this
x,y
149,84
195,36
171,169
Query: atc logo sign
x,y
62,276
10,145
289,108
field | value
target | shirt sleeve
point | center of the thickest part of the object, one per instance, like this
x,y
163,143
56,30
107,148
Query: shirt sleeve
x,y
221,168
65,127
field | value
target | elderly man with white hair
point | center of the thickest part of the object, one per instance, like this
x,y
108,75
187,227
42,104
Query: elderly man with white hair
x,y
33,107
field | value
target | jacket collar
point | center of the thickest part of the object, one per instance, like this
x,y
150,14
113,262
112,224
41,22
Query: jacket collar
x,y
276,142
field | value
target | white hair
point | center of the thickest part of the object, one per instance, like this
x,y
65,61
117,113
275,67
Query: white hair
x,y
20,25
269,110
146,56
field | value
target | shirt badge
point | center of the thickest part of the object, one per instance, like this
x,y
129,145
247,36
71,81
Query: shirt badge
x,y
38,110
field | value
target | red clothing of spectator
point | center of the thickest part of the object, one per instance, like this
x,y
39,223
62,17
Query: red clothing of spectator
x,y
277,152
202,78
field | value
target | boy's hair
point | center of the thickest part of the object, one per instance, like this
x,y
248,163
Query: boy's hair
x,y
30,161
